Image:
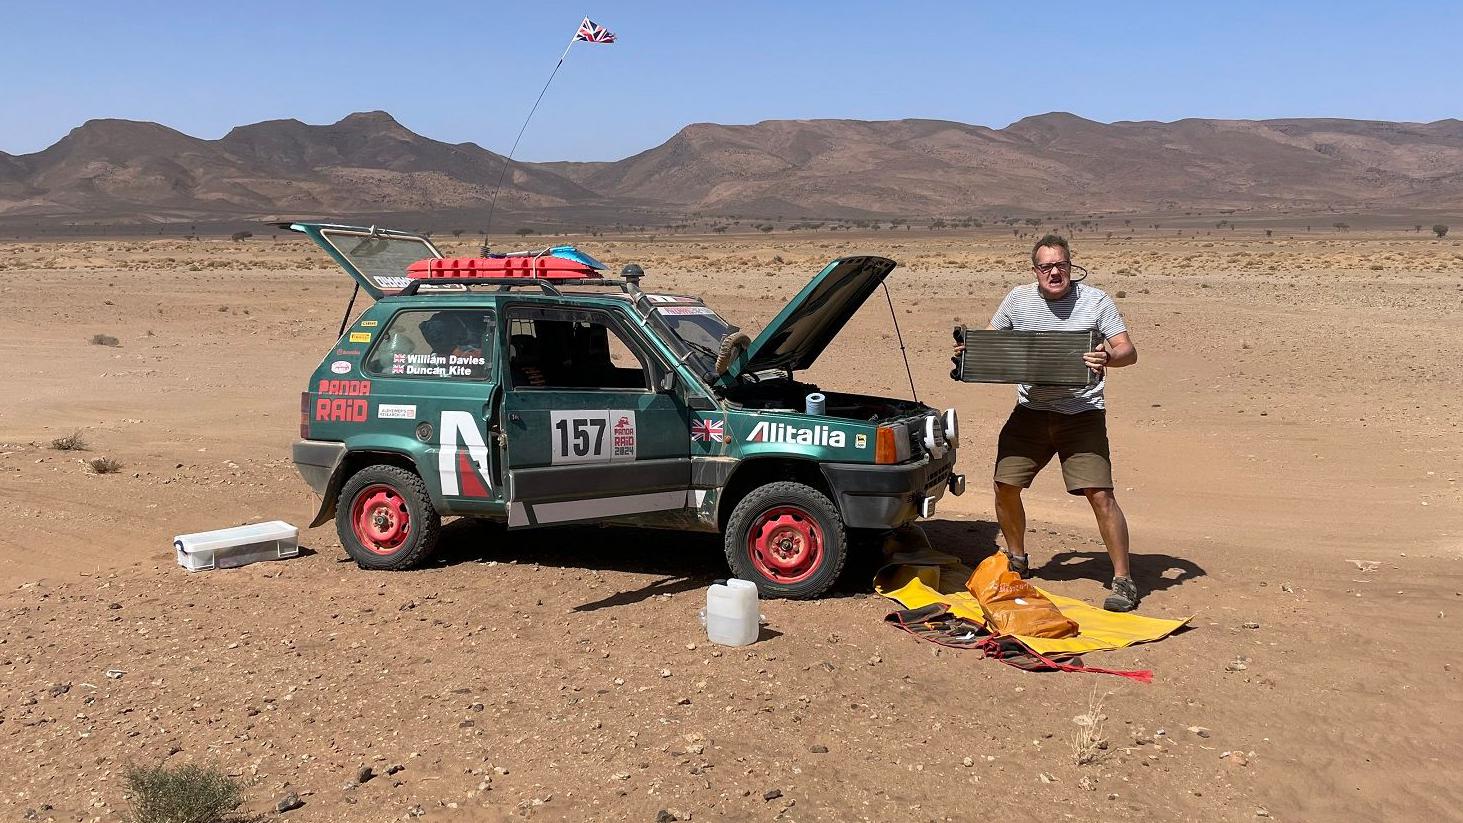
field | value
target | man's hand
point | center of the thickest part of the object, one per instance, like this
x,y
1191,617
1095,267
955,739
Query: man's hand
x,y
1096,360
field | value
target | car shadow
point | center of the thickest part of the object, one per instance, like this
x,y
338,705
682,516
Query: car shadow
x,y
681,561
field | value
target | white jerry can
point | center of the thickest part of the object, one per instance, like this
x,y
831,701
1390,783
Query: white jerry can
x,y
731,616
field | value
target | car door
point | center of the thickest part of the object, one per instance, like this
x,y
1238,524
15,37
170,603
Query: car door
x,y
434,378
589,435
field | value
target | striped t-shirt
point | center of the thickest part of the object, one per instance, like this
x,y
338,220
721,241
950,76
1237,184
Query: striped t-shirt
x,y
1082,308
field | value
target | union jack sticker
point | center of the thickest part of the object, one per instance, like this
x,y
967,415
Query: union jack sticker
x,y
708,431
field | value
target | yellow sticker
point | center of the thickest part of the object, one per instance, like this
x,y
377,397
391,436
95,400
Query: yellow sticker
x,y
860,441
368,323
360,337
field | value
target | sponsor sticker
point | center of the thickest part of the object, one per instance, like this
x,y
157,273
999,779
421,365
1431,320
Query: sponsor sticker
x,y
341,366
360,337
818,435
347,352
396,411
368,324
349,388
860,441
393,283
683,310
341,409
624,431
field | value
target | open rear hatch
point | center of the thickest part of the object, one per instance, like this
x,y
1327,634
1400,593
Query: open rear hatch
x,y
375,258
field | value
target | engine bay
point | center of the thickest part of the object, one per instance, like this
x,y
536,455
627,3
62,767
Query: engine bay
x,y
787,395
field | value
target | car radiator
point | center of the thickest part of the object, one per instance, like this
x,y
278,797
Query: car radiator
x,y
1051,358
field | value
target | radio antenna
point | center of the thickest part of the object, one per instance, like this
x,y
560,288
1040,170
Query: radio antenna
x,y
587,31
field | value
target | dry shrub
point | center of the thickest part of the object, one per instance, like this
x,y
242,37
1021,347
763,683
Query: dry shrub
x,y
73,442
185,794
104,340
104,465
1089,743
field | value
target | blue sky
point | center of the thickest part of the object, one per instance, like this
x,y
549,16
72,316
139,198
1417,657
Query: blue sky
x,y
459,71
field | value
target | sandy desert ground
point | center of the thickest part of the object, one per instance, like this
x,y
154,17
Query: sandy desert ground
x,y
1288,452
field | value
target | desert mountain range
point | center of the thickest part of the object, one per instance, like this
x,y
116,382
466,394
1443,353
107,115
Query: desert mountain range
x,y
368,164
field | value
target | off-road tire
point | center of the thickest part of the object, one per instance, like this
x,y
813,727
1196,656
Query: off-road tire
x,y
394,490
799,512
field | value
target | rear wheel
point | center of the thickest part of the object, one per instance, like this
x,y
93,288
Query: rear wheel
x,y
788,539
385,518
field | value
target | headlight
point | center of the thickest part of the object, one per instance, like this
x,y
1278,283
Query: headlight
x,y
932,441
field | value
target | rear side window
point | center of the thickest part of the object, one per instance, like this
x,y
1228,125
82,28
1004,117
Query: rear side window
x,y
448,344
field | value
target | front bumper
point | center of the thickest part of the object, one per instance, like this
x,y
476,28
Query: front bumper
x,y
885,497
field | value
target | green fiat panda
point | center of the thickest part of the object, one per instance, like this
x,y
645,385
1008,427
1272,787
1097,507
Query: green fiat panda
x,y
532,390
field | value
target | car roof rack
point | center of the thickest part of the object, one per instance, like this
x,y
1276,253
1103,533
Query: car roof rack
x,y
506,283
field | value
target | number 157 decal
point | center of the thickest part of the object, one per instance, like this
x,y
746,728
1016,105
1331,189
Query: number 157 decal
x,y
592,436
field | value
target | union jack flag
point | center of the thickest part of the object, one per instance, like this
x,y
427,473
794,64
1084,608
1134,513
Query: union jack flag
x,y
708,431
591,33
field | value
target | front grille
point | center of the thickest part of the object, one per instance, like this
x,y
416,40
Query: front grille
x,y
916,437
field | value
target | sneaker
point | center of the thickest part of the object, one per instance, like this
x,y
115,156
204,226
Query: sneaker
x,y
1124,597
1020,565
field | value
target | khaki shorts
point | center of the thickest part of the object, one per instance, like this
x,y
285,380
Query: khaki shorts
x,y
1031,437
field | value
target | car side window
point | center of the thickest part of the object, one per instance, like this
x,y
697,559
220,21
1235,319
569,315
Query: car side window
x,y
446,344
583,352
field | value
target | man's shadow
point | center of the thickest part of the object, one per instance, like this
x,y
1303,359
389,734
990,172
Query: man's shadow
x,y
974,540
1152,572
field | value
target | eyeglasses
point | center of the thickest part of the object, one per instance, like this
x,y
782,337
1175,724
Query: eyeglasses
x,y
1048,268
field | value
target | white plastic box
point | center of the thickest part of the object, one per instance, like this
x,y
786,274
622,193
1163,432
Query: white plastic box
x,y
238,546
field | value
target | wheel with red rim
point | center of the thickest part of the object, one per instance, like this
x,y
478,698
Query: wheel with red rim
x,y
386,519
788,539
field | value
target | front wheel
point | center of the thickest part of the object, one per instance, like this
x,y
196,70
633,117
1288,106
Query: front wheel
x,y
788,539
385,518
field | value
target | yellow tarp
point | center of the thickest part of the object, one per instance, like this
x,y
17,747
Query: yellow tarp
x,y
923,576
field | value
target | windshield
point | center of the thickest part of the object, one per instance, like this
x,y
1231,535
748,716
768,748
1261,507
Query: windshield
x,y
382,258
698,327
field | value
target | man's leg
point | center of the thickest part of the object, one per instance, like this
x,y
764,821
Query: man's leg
x,y
1113,526
1087,470
1012,517
1024,446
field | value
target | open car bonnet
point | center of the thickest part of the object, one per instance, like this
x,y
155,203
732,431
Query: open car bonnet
x,y
810,321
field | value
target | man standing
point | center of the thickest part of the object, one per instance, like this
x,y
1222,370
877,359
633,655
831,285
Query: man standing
x,y
1069,422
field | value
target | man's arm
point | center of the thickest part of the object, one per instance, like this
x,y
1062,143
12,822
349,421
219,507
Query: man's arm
x,y
1120,350
1115,352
